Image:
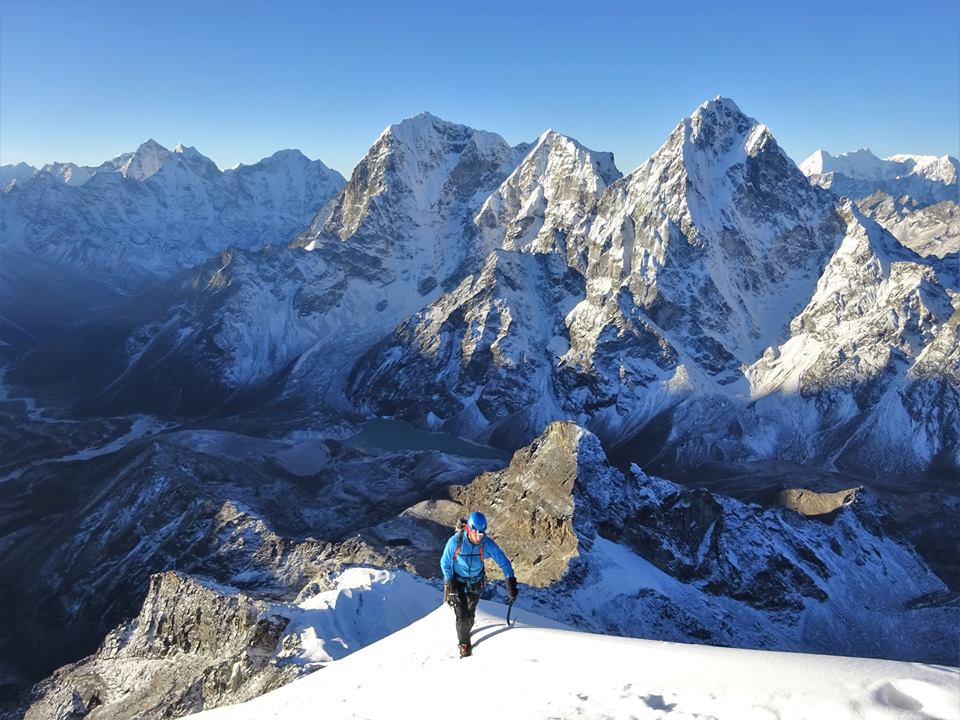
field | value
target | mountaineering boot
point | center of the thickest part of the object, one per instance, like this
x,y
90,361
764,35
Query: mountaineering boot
x,y
465,650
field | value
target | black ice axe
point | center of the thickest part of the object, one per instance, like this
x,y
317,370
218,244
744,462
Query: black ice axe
x,y
509,610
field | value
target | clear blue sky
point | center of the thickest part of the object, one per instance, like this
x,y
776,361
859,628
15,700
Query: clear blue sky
x,y
85,80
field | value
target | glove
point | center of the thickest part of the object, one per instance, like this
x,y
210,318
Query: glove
x,y
451,593
512,588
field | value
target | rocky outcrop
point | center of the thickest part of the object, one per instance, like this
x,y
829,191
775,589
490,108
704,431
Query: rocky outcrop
x,y
216,504
193,646
639,555
813,504
539,507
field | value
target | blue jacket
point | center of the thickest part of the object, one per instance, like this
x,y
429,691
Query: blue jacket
x,y
468,567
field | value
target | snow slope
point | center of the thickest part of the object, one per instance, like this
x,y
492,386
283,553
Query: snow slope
x,y
539,669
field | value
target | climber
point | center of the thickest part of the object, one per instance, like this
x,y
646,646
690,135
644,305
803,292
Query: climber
x,y
463,573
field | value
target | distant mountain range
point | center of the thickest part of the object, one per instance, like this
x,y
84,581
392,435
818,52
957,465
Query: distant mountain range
x,y
146,215
487,290
189,352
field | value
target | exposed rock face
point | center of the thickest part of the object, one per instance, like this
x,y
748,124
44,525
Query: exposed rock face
x,y
878,316
711,278
408,203
713,294
192,646
707,232
481,356
218,505
542,205
380,249
148,510
732,573
810,503
538,508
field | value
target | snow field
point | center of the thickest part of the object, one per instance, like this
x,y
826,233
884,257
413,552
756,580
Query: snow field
x,y
538,669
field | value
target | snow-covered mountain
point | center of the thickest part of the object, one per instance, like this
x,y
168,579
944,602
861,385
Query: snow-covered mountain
x,y
540,207
925,229
146,215
925,178
197,644
378,251
915,197
712,306
385,649
269,518
702,270
637,555
683,293
12,174
409,200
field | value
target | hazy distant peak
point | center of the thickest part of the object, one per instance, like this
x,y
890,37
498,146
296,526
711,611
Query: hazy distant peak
x,y
146,161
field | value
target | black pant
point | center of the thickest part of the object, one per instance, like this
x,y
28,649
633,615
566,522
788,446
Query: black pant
x,y
465,609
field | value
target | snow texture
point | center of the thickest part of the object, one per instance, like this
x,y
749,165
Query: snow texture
x,y
543,669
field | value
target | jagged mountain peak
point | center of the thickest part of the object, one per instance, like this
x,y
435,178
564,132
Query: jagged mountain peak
x,y
553,141
718,109
715,120
419,185
146,161
547,197
703,146
190,152
417,131
151,146
719,221
10,175
866,230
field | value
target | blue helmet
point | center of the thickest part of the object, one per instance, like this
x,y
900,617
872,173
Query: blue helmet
x,y
477,521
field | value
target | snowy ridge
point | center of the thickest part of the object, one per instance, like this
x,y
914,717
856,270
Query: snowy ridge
x,y
483,351
878,309
931,230
546,670
637,555
695,263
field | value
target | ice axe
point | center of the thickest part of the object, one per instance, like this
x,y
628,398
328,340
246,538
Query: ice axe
x,y
509,610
